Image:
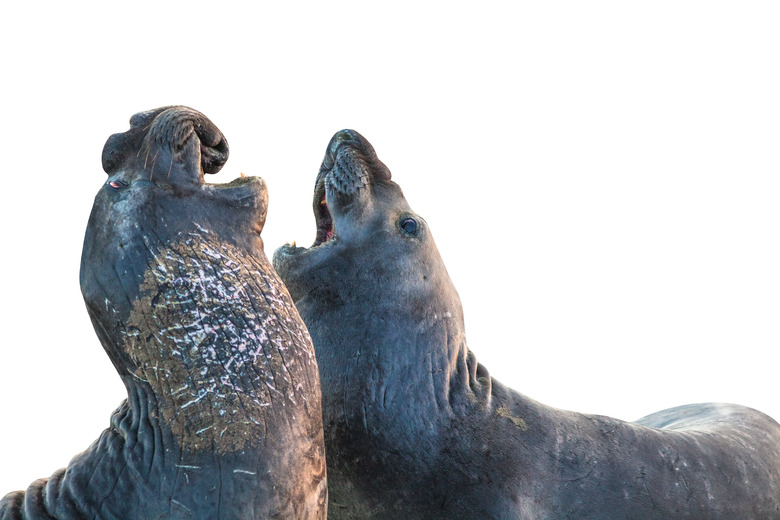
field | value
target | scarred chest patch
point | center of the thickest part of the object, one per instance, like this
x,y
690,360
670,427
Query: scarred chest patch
x,y
218,359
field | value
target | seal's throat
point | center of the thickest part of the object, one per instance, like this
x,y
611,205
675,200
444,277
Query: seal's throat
x,y
217,359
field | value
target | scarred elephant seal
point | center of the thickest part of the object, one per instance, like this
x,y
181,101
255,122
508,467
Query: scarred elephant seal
x,y
416,428
223,416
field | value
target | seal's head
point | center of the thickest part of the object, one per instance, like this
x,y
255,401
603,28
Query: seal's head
x,y
367,235
156,181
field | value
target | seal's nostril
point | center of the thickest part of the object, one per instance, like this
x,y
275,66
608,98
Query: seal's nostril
x,y
348,144
341,137
344,135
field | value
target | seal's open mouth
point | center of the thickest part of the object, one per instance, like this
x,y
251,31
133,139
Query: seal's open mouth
x,y
350,184
350,166
325,227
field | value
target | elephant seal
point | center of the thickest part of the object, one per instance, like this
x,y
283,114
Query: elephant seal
x,y
222,417
416,428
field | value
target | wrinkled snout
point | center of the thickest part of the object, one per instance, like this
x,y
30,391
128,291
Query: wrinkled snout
x,y
350,154
174,143
348,138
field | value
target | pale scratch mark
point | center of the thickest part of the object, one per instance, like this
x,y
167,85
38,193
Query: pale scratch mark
x,y
139,377
201,228
185,466
173,501
196,400
244,471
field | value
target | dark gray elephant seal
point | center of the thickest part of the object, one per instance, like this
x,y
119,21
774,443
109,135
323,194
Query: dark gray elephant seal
x,y
222,417
416,428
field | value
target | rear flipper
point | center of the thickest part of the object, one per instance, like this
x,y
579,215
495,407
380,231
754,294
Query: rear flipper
x,y
706,416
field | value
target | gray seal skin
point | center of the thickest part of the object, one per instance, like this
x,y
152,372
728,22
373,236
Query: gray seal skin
x,y
222,417
416,428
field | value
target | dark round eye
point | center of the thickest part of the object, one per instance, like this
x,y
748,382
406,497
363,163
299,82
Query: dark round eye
x,y
117,184
409,225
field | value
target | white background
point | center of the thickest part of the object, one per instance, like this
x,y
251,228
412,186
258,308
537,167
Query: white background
x,y
601,179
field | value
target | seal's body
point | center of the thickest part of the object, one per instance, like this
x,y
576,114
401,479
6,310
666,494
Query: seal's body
x,y
416,428
223,417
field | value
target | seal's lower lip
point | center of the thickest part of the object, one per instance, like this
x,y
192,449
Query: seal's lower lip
x,y
243,192
237,182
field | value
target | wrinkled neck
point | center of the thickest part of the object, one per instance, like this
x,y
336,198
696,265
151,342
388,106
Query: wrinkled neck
x,y
140,417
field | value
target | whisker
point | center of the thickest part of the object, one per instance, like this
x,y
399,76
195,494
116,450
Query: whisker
x,y
154,160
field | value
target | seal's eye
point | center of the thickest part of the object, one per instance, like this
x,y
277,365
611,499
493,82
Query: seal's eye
x,y
409,225
117,184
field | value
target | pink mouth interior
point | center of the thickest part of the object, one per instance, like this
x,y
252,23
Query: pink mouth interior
x,y
328,221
